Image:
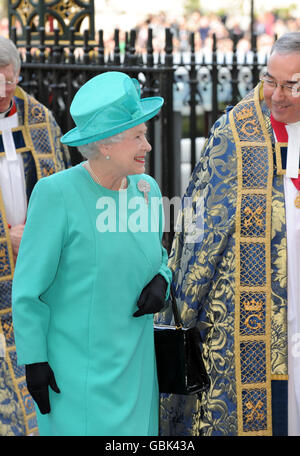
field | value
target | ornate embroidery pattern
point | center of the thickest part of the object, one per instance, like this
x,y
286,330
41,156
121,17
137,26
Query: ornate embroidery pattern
x,y
254,406
252,318
36,143
279,344
15,373
205,275
205,272
253,268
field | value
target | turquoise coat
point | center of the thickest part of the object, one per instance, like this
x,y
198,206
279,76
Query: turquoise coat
x,y
78,276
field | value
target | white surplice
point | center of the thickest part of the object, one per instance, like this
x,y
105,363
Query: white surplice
x,y
12,178
293,267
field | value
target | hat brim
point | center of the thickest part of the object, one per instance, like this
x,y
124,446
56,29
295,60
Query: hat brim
x,y
149,106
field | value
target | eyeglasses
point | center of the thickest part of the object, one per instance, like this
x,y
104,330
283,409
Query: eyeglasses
x,y
7,82
10,83
288,89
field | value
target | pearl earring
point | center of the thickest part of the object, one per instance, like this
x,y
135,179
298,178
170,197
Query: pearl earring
x,y
107,157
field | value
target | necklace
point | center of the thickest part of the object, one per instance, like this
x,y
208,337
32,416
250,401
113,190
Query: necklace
x,y
96,178
281,134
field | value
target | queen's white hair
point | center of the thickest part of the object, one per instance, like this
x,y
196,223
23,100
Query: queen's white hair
x,y
91,150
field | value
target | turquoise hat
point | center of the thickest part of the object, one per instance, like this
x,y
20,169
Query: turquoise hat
x,y
107,105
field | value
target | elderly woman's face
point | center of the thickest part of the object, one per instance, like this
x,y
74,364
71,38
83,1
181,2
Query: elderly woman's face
x,y
129,155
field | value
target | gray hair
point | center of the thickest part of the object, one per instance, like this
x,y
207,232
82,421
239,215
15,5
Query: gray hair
x,y
9,54
287,43
91,150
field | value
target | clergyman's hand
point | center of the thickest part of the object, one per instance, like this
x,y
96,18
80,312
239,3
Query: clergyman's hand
x,y
15,234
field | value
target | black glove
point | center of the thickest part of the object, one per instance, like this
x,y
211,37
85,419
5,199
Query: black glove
x,y
152,298
38,377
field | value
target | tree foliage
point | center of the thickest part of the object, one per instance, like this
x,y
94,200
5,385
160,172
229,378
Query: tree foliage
x,y
191,5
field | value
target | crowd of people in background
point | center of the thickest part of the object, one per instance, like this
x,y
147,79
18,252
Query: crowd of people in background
x,y
266,26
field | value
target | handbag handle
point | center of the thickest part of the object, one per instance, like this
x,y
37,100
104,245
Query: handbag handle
x,y
177,318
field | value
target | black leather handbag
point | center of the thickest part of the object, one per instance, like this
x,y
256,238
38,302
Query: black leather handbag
x,y
180,367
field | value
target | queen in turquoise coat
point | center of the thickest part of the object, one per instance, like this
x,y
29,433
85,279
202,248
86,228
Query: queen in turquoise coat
x,y
91,272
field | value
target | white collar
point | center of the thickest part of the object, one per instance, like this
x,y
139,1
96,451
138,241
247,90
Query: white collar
x,y
293,152
6,126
